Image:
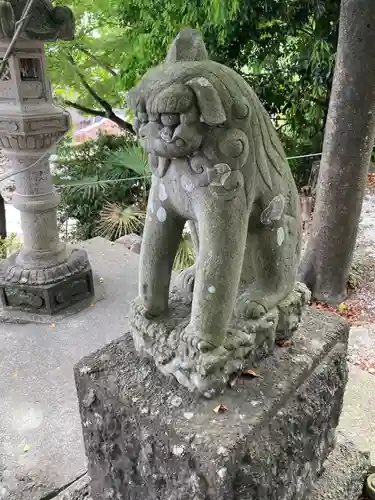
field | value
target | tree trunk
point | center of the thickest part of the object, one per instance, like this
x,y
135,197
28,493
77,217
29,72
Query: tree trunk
x,y
348,142
3,224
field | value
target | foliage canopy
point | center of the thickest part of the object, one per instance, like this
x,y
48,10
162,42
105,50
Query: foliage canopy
x,y
284,48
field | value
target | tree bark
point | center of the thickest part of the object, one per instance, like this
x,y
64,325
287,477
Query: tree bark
x,y
348,142
3,224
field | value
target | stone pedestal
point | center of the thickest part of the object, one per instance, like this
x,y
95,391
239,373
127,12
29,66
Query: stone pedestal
x,y
162,339
148,437
45,276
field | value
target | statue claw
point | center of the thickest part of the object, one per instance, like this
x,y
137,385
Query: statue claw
x,y
187,279
196,343
247,308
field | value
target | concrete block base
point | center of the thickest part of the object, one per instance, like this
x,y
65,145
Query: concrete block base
x,y
146,437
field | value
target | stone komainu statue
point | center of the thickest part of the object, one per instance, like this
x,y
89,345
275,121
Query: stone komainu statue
x,y
217,162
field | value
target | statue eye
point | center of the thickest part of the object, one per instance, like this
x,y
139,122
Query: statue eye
x,y
170,120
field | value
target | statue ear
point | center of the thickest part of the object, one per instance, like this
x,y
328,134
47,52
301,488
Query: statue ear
x,y
209,102
187,46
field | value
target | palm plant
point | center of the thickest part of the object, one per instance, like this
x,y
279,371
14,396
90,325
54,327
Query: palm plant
x,y
113,193
185,256
117,220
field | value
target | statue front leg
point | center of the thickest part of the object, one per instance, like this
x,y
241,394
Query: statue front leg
x,y
222,241
161,237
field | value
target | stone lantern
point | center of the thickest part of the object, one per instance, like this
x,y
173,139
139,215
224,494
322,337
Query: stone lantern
x,y
46,275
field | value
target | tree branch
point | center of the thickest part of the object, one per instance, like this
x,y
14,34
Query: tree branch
x,y
108,110
95,59
84,109
105,114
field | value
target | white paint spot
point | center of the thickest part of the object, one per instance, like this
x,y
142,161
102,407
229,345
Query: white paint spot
x,y
188,415
280,236
176,401
178,450
162,192
211,289
161,214
187,184
274,210
222,472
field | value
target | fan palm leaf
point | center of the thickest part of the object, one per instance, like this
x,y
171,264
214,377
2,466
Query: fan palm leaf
x,y
185,256
88,187
116,220
119,167
131,158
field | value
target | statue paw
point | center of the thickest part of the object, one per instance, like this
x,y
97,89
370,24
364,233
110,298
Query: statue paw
x,y
248,308
186,279
196,343
151,310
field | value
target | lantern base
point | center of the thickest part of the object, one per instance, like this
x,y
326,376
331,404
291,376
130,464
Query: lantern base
x,y
46,290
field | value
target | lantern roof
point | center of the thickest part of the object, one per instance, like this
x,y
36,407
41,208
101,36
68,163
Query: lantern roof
x,y
44,21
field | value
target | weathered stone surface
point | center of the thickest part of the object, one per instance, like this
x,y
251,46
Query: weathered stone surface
x,y
48,298
79,490
46,290
131,242
247,341
218,164
146,437
344,473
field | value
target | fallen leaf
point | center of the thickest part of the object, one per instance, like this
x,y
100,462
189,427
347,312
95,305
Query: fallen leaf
x,y
220,408
52,325
26,448
341,308
283,342
251,373
351,312
14,374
